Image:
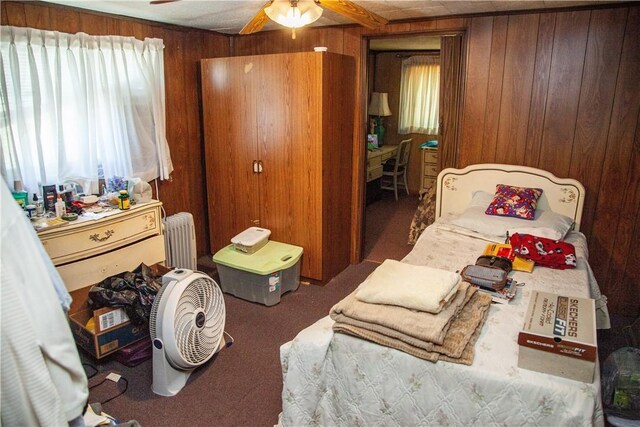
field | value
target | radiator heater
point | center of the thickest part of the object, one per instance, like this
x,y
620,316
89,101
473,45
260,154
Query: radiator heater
x,y
180,241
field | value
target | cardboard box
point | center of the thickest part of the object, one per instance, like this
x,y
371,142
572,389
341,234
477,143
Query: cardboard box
x,y
111,330
100,343
559,336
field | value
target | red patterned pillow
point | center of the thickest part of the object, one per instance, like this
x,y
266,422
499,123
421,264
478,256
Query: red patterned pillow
x,y
519,202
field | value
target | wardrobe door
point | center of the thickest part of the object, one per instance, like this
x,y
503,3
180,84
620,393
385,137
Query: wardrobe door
x,y
289,141
229,120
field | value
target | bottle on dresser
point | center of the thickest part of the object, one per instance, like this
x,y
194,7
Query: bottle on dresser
x,y
39,204
60,206
49,196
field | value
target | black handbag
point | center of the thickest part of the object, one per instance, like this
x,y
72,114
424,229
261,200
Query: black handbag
x,y
495,261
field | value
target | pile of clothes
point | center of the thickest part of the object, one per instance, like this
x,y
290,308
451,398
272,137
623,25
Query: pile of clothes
x,y
426,312
133,291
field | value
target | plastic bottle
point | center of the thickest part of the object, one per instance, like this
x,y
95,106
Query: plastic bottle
x,y
39,205
123,200
61,208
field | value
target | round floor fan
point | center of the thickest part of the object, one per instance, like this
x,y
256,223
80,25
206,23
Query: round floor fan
x,y
187,328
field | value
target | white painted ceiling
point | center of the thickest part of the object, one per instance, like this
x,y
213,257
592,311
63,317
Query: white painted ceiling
x,y
229,16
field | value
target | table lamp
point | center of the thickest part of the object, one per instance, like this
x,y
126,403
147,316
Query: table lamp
x,y
379,107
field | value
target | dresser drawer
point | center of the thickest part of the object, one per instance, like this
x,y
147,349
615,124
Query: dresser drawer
x,y
374,162
388,155
430,156
374,173
430,171
427,182
87,272
87,239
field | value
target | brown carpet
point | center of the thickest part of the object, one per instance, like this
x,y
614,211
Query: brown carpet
x,y
387,224
241,385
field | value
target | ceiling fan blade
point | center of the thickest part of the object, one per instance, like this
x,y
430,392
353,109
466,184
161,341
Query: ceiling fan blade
x,y
354,12
161,1
257,22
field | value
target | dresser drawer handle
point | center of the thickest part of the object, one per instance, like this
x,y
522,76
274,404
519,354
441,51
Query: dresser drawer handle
x,y
96,237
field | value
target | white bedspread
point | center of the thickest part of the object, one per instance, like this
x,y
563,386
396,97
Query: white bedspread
x,y
338,380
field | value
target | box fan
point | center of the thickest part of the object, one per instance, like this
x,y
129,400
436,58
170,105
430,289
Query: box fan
x,y
186,327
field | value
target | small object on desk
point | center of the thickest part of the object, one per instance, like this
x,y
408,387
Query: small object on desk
x,y
60,206
49,223
429,144
123,200
90,199
31,210
372,141
70,216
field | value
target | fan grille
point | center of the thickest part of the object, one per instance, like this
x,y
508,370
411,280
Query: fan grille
x,y
201,297
154,313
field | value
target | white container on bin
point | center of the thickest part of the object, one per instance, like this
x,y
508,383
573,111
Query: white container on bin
x,y
251,239
262,277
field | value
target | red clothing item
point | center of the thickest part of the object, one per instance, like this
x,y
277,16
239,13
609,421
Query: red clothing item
x,y
544,252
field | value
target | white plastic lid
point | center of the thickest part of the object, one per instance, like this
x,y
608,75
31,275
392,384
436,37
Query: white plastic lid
x,y
251,236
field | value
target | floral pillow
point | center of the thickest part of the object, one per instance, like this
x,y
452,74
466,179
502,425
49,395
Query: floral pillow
x,y
518,202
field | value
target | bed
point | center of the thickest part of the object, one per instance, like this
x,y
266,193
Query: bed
x,y
340,380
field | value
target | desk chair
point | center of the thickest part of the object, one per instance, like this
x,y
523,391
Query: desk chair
x,y
397,168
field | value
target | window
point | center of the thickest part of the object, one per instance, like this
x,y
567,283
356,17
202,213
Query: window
x,y
419,93
76,107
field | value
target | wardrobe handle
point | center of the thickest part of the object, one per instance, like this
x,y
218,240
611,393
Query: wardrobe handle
x,y
255,166
259,166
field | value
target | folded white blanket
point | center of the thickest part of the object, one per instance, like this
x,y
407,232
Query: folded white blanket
x,y
411,286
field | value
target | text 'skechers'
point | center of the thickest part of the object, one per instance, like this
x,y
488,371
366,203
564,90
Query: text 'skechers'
x,y
559,336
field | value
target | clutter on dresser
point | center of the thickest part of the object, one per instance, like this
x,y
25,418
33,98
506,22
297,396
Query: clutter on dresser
x,y
54,205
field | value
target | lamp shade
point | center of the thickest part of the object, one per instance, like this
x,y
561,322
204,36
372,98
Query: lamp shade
x,y
293,14
379,104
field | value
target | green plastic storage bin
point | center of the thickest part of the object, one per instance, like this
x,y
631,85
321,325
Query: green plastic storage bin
x,y
260,277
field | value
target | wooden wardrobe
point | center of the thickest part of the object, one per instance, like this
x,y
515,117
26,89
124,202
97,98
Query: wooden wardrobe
x,y
278,133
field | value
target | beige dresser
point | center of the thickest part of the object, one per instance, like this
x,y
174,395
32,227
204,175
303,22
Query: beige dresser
x,y
429,167
87,251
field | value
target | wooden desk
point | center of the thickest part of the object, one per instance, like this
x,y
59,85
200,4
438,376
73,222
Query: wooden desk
x,y
376,158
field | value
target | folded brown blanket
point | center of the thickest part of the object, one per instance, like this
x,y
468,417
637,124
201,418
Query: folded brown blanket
x,y
420,325
455,344
465,358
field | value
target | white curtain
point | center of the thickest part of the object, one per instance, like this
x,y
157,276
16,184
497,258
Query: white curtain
x,y
75,107
419,93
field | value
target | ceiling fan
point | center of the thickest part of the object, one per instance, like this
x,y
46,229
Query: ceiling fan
x,y
298,13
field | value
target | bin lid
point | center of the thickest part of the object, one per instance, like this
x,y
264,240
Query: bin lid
x,y
251,236
274,256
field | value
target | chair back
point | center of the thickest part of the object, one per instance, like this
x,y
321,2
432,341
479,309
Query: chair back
x,y
404,150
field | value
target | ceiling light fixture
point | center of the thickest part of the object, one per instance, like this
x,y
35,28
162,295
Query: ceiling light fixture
x,y
293,13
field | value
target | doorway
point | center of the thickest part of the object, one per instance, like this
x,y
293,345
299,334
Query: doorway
x,y
387,221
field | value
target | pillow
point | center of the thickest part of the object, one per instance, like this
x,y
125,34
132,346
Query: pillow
x,y
519,202
546,223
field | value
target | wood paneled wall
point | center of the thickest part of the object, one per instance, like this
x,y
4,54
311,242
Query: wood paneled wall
x,y
556,90
184,47
559,91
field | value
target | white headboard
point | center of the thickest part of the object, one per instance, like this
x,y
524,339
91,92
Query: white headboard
x,y
455,187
